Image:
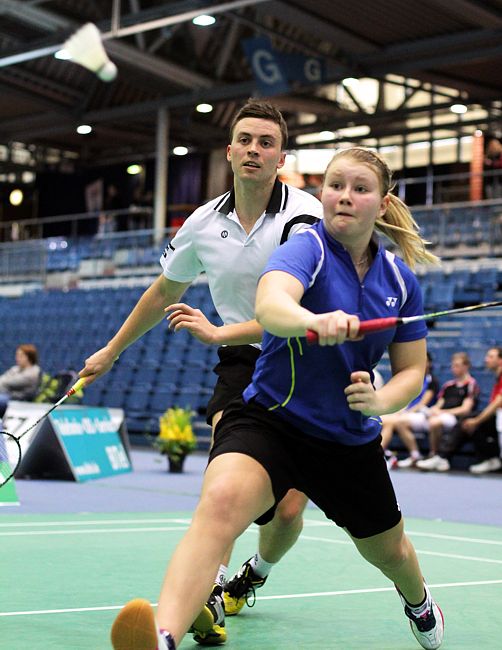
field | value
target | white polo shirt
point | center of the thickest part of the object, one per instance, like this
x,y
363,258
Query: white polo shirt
x,y
213,241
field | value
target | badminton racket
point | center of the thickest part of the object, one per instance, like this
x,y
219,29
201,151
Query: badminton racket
x,y
10,446
379,324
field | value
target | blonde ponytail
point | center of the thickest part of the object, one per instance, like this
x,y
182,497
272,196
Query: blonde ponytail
x,y
398,225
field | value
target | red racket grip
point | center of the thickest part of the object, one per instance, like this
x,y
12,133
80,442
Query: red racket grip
x,y
378,324
365,327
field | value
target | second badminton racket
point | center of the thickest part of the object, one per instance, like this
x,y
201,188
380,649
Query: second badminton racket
x,y
10,446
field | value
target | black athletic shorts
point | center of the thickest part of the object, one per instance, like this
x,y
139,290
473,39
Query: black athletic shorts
x,y
350,484
234,370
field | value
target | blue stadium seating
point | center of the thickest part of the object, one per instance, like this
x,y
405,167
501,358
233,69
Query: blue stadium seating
x,y
164,369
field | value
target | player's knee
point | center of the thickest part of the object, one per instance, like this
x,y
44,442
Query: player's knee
x,y
290,512
218,501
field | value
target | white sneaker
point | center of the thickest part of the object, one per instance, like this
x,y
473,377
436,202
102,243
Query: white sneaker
x,y
428,629
406,463
490,465
434,464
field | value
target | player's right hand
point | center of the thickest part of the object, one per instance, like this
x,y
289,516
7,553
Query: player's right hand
x,y
334,328
97,364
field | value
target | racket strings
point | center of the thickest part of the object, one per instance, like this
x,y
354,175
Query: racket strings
x,y
10,456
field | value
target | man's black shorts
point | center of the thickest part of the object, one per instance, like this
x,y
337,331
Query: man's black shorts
x,y
350,484
234,370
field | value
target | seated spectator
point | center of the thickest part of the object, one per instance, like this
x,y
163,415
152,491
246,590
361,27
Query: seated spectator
x,y
21,381
483,427
391,422
457,399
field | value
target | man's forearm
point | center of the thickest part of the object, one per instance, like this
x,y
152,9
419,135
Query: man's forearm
x,y
490,410
147,313
239,333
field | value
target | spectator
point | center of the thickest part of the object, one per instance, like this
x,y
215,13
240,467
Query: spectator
x,y
21,381
108,220
483,427
456,399
313,184
392,421
493,164
140,209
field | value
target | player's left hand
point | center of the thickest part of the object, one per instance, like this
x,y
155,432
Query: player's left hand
x,y
183,316
361,395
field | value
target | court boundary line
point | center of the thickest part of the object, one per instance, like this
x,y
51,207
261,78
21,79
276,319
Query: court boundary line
x,y
91,522
311,523
318,594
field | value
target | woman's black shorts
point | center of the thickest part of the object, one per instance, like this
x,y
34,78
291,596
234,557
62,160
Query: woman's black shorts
x,y
350,484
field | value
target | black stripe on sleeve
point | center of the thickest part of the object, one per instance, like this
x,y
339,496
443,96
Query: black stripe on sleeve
x,y
302,218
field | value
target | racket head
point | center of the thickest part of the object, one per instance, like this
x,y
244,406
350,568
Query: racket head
x,y
10,456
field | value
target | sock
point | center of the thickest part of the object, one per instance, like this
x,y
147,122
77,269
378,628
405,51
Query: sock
x,y
221,576
420,609
169,641
415,454
260,566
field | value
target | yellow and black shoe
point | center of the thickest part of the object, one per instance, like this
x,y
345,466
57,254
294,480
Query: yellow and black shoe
x,y
240,590
209,626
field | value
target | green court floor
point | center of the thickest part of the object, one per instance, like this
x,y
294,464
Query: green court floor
x,y
64,578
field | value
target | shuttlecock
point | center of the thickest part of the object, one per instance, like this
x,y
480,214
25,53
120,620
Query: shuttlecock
x,y
85,47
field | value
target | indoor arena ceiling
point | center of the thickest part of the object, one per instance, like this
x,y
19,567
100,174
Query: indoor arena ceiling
x,y
310,46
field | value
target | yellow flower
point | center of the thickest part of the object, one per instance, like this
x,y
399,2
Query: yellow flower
x,y
176,437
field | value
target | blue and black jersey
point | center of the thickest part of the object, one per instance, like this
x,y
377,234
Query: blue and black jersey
x,y
286,379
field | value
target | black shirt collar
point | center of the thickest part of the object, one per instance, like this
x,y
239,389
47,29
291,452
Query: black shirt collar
x,y
277,201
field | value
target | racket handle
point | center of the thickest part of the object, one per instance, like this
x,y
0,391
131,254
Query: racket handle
x,y
365,327
378,324
76,386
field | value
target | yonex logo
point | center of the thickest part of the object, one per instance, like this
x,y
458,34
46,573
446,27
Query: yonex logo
x,y
224,234
391,301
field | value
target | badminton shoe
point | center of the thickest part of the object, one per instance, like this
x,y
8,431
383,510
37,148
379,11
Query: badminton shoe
x,y
240,590
428,628
135,628
209,626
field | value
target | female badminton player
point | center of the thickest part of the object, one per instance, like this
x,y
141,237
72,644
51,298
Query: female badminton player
x,y
310,419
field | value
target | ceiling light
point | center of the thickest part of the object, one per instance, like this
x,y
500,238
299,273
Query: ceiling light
x,y
84,129
204,20
180,151
458,108
204,108
350,82
16,197
28,177
134,169
311,138
354,131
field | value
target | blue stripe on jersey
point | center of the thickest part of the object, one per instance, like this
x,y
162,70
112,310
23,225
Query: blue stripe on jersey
x,y
287,376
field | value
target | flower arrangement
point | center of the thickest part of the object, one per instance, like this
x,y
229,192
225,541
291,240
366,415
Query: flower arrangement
x,y
176,438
